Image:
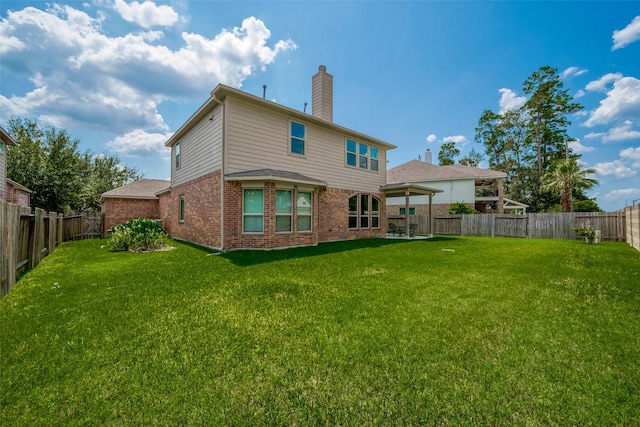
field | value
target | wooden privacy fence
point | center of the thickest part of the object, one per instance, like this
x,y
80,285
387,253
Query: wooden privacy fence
x,y
26,237
632,224
535,225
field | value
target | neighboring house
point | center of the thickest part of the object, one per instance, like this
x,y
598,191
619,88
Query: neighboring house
x,y
136,200
11,191
480,189
247,172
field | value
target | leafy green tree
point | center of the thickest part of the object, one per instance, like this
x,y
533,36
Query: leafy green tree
x,y
62,178
525,142
105,173
447,153
548,106
565,176
460,208
586,205
474,158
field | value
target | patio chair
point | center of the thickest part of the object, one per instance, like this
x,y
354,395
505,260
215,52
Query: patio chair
x,y
392,228
412,229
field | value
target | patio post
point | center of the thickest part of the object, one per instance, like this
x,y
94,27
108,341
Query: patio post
x,y
406,213
430,215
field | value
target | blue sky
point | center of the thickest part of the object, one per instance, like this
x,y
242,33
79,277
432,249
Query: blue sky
x,y
122,75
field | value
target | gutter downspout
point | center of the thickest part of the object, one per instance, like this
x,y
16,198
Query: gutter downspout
x,y
406,212
222,153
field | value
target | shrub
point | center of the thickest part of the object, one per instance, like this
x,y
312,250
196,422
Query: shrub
x,y
137,235
460,208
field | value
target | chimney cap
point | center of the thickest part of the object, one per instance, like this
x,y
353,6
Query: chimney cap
x,y
322,68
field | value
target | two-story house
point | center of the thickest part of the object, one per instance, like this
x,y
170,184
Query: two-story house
x,y
247,172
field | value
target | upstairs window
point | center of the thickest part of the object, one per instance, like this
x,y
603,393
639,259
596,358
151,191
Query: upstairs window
x,y
363,159
284,210
374,158
178,155
361,155
351,153
297,138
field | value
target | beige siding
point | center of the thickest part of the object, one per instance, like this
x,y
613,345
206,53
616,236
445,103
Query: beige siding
x,y
259,138
200,150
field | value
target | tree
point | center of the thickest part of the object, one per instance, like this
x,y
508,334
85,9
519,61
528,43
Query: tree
x,y
474,158
565,176
105,173
548,106
62,178
447,152
525,142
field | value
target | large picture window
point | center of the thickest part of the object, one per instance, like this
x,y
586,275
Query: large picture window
x,y
297,138
375,212
364,211
253,210
284,210
304,209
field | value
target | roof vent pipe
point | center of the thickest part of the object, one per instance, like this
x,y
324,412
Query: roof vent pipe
x,y
305,108
264,91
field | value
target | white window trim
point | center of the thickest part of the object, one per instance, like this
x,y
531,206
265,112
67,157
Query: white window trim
x,y
290,214
304,140
310,214
244,214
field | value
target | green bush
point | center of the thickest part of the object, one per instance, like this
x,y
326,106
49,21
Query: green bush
x,y
460,208
137,235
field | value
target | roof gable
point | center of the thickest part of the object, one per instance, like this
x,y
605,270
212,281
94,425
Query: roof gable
x,y
419,171
141,189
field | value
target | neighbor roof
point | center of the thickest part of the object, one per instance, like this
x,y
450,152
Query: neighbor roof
x,y
419,171
141,189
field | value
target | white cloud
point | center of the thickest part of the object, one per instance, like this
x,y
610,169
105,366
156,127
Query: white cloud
x,y
627,194
431,138
572,72
621,103
146,14
509,100
578,148
83,77
621,132
458,139
579,94
631,154
617,168
138,143
627,35
601,84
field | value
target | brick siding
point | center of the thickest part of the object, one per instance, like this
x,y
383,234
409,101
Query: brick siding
x,y
118,211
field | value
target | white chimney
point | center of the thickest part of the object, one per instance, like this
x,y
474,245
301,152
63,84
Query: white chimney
x,y
322,96
427,156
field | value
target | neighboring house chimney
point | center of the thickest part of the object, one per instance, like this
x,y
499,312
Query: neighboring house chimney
x,y
322,96
427,156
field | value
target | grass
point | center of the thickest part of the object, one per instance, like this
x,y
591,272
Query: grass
x,y
447,331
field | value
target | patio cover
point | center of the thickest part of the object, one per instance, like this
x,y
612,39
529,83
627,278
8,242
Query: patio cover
x,y
407,190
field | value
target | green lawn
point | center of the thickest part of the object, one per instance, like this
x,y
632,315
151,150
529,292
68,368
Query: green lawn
x,y
447,331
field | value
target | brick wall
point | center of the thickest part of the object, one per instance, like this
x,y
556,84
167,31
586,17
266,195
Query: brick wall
x,y
334,217
119,211
201,211
236,239
18,197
